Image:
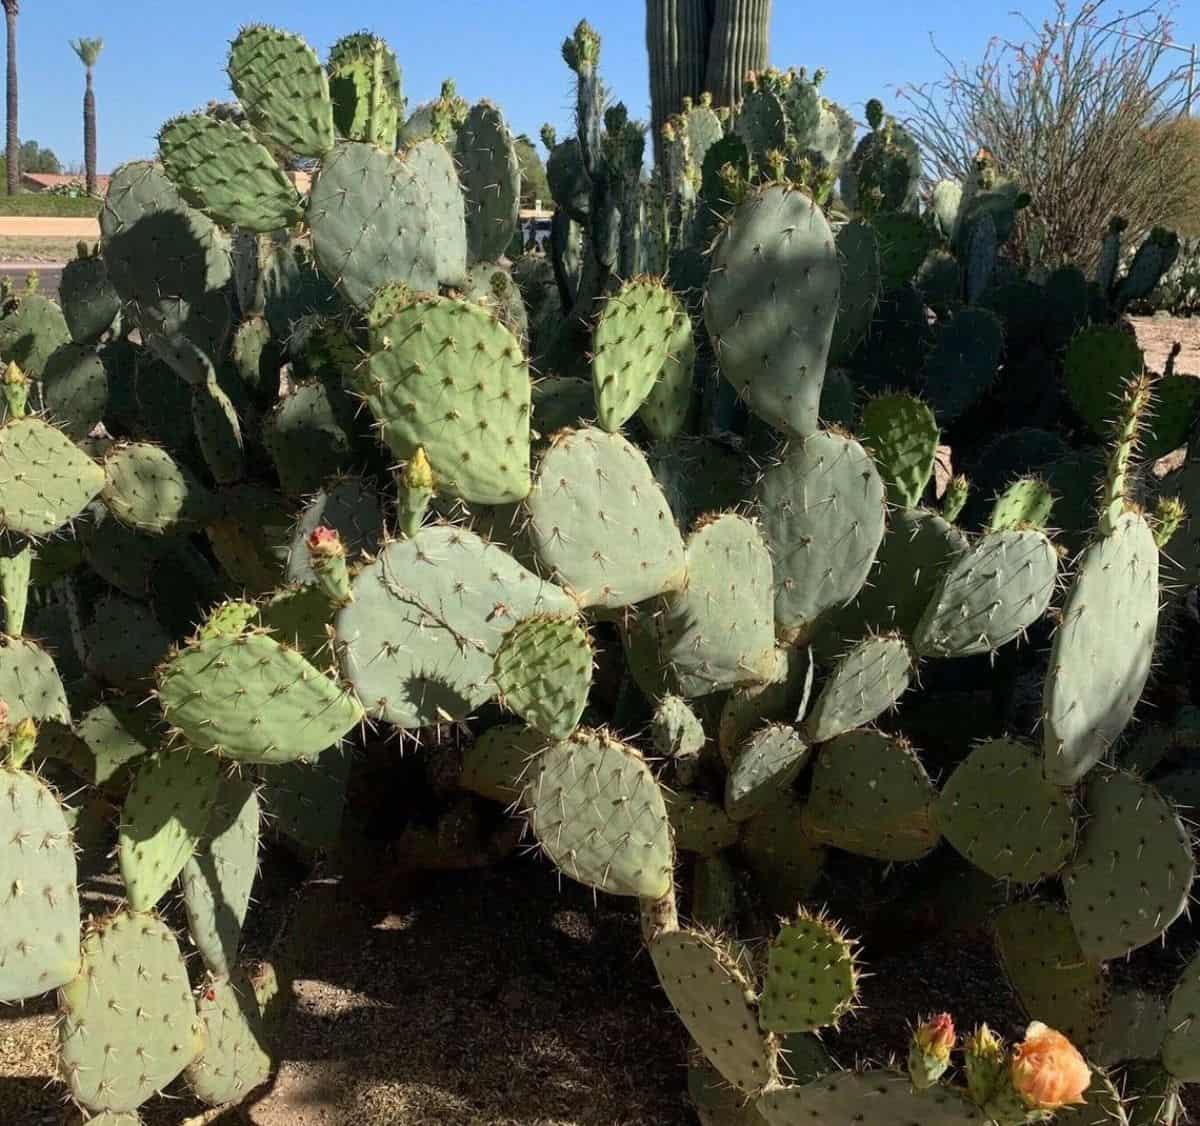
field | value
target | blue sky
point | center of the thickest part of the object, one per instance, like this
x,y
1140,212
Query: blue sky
x,y
164,58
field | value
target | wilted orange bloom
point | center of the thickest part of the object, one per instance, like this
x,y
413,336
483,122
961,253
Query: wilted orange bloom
x,y
1047,1070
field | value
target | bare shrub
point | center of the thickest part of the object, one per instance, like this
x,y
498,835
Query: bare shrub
x,y
1082,115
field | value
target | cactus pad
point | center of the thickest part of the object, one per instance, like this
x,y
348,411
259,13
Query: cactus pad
x,y
1181,1048
235,1059
1026,503
308,436
710,990
39,920
1133,870
419,640
543,670
719,629
878,1097
989,596
866,682
698,824
600,523
785,861
871,796
30,684
282,86
858,257
964,363
351,507
600,817
75,389
764,769
219,167
146,489
252,699
823,515
491,177
999,811
902,435
162,821
812,977
666,408
89,302
129,1022
1102,650
1056,983
447,376
45,479
494,765
217,878
774,351
116,734
631,344
306,800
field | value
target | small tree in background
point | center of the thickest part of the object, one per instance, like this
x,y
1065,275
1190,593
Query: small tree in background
x,y
534,185
1080,115
88,51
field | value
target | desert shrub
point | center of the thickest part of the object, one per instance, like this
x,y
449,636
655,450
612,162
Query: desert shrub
x,y
1082,114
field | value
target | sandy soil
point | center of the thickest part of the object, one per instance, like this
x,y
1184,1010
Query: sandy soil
x,y
1158,335
47,226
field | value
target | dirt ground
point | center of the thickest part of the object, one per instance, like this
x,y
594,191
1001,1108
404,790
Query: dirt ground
x,y
1158,335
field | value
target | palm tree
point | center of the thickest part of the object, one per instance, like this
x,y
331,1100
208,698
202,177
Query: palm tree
x,y
88,51
11,9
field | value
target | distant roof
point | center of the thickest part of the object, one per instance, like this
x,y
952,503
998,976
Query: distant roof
x,y
47,180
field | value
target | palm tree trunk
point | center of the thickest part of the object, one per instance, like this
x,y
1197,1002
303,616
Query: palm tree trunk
x,y
14,138
89,134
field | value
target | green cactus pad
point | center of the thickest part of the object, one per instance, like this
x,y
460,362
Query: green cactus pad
x,y
785,696
866,682
888,1099
123,642
162,821
631,344
89,302
494,766
999,811
710,990
254,700
219,167
599,521
1181,1048
305,801
762,122
1134,1027
365,81
129,1022
1026,503
964,363
668,404
45,479
434,167
491,178
419,640
774,351
282,86
543,671
75,389
600,817
823,514
148,490
1133,869
218,432
447,376
235,1059
812,977
902,435
308,435
765,768
676,730
1054,979
1102,650
39,923
858,258
369,216
117,734
30,684
31,332
217,878
1097,365
352,508
989,596
871,796
698,824
786,863
718,631
714,1101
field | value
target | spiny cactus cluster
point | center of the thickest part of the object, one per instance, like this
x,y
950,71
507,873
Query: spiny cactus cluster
x,y
280,466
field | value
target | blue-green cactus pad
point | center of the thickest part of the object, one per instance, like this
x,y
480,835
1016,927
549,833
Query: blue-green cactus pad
x,y
45,479
866,682
235,1059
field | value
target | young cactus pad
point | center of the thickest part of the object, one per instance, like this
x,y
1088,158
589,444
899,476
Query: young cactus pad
x,y
812,977
129,1022
543,671
252,699
765,767
419,641
774,351
39,908
599,815
234,1060
866,682
45,479
491,176
600,523
902,434
30,684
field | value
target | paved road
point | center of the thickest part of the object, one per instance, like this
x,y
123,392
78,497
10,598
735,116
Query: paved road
x,y
49,274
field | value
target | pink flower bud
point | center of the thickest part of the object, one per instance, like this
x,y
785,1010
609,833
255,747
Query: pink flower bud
x,y
325,543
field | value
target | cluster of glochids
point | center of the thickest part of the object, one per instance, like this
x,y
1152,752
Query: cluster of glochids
x,y
278,466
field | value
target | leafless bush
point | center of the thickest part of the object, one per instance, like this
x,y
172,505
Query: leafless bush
x,y
1080,115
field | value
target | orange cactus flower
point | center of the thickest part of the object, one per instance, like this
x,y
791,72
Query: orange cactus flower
x,y
1047,1070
